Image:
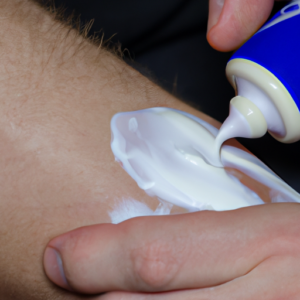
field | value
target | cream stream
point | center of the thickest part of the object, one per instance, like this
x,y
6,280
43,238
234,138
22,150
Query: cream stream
x,y
172,155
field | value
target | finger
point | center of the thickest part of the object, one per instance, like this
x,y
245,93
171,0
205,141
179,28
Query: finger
x,y
275,278
232,23
171,252
215,9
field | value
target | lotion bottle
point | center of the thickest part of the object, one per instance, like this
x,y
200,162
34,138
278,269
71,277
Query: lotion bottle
x,y
265,73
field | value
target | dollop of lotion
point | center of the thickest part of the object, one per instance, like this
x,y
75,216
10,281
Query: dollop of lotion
x,y
169,153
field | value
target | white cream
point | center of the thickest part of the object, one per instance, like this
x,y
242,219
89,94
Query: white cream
x,y
234,126
170,154
131,208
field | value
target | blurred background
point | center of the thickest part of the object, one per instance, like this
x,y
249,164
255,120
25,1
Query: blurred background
x,y
166,41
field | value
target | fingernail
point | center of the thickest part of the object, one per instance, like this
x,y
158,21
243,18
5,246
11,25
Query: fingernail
x,y
215,9
54,268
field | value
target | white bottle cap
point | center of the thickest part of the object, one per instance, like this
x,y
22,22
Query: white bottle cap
x,y
269,95
253,116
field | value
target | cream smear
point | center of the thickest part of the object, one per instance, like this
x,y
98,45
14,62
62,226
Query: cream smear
x,y
171,155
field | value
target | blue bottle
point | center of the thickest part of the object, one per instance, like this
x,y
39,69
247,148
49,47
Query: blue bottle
x,y
266,71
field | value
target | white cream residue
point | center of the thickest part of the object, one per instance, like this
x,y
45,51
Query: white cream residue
x,y
131,208
169,153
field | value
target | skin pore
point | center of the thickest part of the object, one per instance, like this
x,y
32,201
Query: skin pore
x,y
58,94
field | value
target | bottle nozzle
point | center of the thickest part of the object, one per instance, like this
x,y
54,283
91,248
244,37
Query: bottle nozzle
x,y
244,120
253,116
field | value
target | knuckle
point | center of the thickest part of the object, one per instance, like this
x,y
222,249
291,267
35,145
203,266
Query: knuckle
x,y
155,264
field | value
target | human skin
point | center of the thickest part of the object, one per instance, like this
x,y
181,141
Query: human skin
x,y
250,253
255,254
58,94
232,22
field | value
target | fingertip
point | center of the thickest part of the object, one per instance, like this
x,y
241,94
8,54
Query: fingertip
x,y
238,21
221,42
80,260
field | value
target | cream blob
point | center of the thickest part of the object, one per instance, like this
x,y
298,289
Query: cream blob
x,y
171,155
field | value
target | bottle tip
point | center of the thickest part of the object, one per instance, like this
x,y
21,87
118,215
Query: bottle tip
x,y
252,115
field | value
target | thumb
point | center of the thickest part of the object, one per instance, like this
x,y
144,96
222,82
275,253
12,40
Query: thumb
x,y
232,22
154,254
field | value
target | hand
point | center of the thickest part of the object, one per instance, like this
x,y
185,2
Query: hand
x,y
250,253
232,22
